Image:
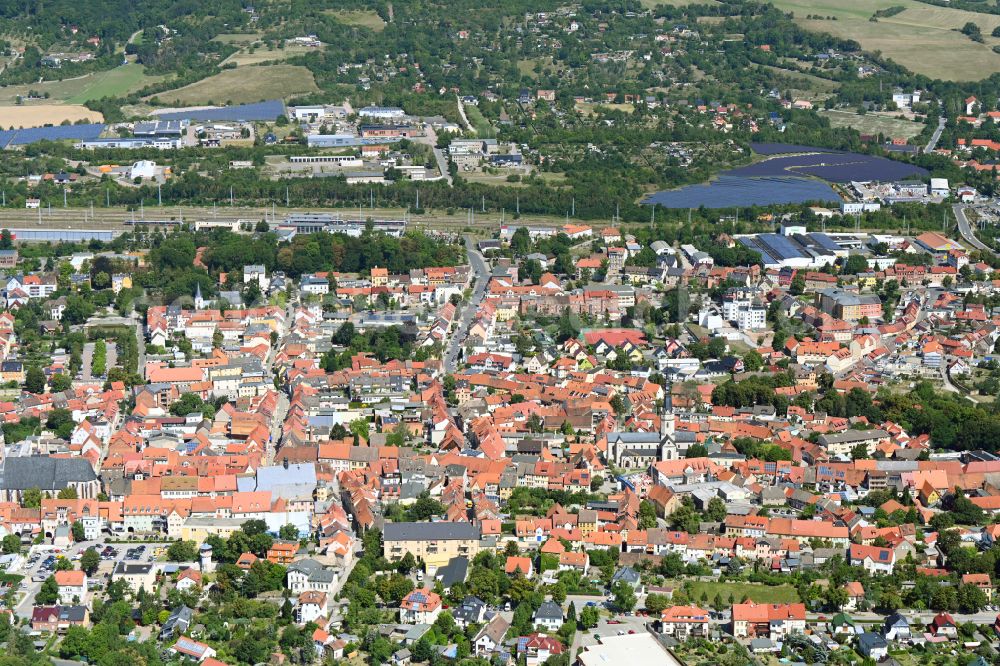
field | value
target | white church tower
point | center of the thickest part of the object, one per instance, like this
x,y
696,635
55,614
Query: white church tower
x,y
668,428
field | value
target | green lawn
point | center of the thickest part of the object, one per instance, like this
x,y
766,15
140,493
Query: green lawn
x,y
767,594
478,121
111,83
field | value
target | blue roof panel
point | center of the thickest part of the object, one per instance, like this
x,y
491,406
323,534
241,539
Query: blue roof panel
x,y
23,137
267,110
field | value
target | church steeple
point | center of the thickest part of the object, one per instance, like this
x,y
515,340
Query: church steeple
x,y
668,427
199,301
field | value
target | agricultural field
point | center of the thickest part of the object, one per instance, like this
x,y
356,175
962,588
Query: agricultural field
x,y
35,115
360,18
764,594
244,85
112,83
923,38
873,123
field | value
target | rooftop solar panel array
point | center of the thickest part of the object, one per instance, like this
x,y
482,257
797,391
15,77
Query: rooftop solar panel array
x,y
22,137
268,110
781,245
825,242
766,254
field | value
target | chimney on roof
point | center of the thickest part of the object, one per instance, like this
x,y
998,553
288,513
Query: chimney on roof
x,y
284,462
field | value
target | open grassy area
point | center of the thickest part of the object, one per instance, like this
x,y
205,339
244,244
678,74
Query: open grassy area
x,y
765,594
361,18
651,4
237,38
478,121
873,123
527,66
924,38
588,108
112,83
245,56
244,85
805,81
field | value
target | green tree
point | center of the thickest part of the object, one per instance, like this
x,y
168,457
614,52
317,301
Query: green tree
x,y
31,498
798,284
12,543
854,264
716,510
68,493
589,617
90,561
623,596
288,532
48,593
78,532
182,551
971,598
656,603
753,361
647,515
34,380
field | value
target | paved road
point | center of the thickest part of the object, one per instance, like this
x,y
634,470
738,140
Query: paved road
x,y
465,318
932,144
965,229
442,162
87,361
140,336
465,119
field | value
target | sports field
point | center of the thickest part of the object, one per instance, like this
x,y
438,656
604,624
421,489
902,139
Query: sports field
x,y
112,83
923,38
35,115
873,123
244,85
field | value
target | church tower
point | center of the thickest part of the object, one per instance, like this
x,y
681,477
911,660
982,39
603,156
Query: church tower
x,y
668,428
199,302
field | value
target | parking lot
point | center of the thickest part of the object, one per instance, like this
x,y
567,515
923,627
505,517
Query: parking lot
x,y
41,562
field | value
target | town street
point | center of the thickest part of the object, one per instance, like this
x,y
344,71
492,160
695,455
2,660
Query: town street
x,y
469,310
965,229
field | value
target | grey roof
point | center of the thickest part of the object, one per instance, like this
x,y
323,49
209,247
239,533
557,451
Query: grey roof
x,y
870,640
45,473
442,531
848,436
313,570
125,568
454,572
470,610
627,574
549,611
633,437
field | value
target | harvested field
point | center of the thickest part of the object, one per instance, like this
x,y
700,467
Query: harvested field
x,y
35,115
